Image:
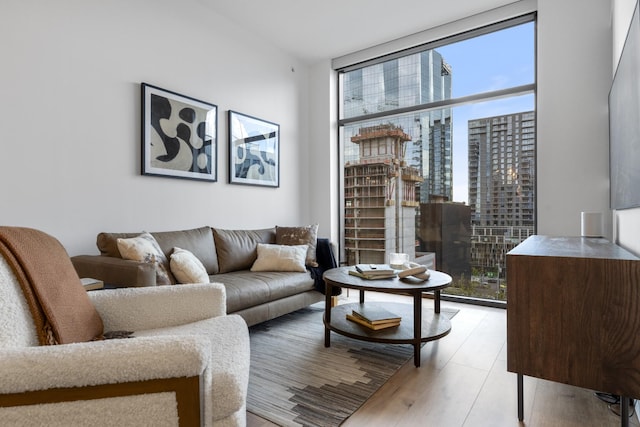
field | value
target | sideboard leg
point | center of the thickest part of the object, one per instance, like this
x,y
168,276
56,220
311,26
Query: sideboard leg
x,y
520,397
624,411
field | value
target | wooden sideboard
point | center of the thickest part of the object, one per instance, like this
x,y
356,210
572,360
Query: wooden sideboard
x,y
573,314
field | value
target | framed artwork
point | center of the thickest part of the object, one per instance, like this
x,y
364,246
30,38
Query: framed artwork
x,y
254,151
179,135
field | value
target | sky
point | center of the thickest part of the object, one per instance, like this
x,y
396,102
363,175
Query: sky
x,y
494,61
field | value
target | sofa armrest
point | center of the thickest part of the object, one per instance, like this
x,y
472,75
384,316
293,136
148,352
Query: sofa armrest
x,y
102,362
114,271
135,309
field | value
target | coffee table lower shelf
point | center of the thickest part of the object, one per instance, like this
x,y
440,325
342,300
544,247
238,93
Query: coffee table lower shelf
x,y
434,327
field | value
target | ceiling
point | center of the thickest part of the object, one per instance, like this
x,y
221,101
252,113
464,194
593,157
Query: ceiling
x,y
313,30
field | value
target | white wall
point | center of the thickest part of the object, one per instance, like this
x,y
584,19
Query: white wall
x,y
574,77
626,222
70,117
323,149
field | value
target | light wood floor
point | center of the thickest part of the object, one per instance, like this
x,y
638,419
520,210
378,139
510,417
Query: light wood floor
x,y
463,381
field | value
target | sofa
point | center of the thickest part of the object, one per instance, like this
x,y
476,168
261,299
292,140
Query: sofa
x,y
229,257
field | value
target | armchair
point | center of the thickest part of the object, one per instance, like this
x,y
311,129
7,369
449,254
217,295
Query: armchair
x,y
187,363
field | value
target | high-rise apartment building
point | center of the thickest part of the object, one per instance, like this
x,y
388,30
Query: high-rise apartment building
x,y
501,185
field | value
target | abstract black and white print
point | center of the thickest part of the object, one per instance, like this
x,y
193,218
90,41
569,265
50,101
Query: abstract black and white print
x,y
179,135
254,151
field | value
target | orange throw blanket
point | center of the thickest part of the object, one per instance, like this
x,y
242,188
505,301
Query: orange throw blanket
x,y
61,309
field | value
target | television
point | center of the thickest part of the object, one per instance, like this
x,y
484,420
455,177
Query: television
x,y
624,123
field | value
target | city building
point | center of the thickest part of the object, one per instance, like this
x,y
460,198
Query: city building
x,y
421,78
501,186
445,230
380,204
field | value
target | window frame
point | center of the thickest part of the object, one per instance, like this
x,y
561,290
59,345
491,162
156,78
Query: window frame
x,y
514,91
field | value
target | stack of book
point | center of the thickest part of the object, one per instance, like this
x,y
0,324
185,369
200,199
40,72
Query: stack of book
x,y
374,317
373,271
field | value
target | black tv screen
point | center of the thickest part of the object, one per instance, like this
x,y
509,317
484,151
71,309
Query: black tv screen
x,y
624,123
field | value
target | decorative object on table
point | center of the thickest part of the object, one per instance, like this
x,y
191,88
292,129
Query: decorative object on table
x,y
254,151
179,135
398,260
414,271
304,386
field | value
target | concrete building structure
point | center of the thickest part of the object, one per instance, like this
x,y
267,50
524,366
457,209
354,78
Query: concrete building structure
x,y
380,204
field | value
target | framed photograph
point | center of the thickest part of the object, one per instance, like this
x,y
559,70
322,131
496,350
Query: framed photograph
x,y
179,135
254,151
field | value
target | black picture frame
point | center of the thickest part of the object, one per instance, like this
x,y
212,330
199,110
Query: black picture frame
x,y
254,151
179,135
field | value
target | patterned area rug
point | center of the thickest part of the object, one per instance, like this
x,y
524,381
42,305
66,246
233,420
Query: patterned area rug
x,y
296,381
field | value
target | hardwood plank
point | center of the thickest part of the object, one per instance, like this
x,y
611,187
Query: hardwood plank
x,y
451,389
497,401
484,344
561,404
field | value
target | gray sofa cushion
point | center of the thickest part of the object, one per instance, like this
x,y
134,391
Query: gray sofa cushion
x,y
249,288
198,241
237,249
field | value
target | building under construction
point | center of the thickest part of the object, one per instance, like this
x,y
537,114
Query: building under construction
x,y
380,197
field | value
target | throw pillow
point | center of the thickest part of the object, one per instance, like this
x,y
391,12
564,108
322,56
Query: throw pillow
x,y
280,258
300,236
144,248
186,268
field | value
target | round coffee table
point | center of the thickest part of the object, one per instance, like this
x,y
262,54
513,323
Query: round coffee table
x,y
414,328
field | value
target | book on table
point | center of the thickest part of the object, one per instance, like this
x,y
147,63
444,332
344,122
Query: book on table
x,y
372,276
374,326
373,271
375,315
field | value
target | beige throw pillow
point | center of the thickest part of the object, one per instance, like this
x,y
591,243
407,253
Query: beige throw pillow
x,y
280,258
144,248
307,235
186,268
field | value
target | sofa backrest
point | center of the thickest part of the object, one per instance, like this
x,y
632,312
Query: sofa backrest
x,y
17,328
238,249
198,241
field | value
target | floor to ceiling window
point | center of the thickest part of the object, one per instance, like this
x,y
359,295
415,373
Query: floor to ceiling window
x,y
438,148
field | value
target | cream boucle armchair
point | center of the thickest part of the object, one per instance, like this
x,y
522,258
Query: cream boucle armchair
x,y
187,364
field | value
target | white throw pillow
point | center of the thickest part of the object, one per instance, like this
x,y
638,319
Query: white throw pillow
x,y
187,268
280,258
145,248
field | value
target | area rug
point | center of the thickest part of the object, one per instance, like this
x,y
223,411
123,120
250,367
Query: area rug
x,y
296,381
